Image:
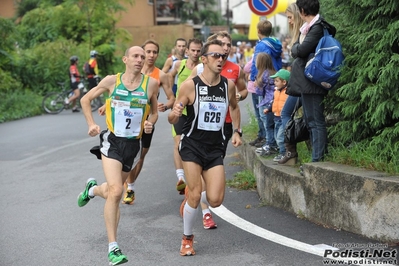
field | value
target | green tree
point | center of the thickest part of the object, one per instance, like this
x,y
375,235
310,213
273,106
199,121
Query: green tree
x,y
34,52
368,100
24,6
100,19
66,23
70,32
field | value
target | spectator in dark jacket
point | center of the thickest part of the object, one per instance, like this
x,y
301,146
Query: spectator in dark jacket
x,y
311,94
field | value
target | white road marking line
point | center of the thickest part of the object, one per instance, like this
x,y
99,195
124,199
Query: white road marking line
x,y
36,156
237,221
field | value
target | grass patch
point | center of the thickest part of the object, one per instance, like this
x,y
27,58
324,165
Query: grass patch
x,y
237,163
243,180
250,129
364,155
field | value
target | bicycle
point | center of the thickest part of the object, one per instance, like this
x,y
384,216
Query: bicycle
x,y
55,102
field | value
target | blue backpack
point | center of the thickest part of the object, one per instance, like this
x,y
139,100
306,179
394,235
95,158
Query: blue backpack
x,y
324,68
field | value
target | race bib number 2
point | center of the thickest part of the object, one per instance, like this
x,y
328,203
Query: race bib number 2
x,y
127,120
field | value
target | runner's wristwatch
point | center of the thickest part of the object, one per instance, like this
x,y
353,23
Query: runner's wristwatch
x,y
239,131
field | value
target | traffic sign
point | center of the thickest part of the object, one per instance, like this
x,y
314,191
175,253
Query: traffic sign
x,y
262,7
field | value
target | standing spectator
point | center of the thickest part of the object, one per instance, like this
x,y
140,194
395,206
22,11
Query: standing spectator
x,y
248,51
232,56
261,136
312,95
294,24
281,79
265,89
241,53
93,69
74,78
286,56
266,44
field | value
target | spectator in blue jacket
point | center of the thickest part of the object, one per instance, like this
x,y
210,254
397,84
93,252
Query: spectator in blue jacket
x,y
272,47
266,44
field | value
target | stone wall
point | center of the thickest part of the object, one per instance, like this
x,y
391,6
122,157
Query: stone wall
x,y
352,199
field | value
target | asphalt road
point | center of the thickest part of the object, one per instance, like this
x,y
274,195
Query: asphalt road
x,y
44,164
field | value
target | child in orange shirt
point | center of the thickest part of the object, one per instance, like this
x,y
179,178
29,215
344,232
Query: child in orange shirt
x,y
281,79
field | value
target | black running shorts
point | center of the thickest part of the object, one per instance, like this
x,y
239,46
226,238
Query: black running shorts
x,y
206,156
126,151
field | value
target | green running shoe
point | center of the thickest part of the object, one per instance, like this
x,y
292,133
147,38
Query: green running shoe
x,y
84,197
116,257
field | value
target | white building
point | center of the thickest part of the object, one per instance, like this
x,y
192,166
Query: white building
x,y
242,14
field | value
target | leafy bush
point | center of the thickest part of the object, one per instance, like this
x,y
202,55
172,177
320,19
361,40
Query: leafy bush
x,y
19,104
8,84
41,67
239,37
367,101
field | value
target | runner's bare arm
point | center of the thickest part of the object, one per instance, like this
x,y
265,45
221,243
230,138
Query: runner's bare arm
x,y
173,73
152,95
234,113
167,87
186,96
241,87
168,64
107,84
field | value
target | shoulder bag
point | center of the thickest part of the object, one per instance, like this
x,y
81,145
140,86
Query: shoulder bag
x,y
296,130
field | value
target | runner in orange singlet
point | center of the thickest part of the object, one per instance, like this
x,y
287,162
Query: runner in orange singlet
x,y
151,49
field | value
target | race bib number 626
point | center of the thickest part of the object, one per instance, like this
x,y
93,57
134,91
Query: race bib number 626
x,y
211,116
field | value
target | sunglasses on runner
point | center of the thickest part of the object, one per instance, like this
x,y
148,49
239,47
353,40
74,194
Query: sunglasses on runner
x,y
216,55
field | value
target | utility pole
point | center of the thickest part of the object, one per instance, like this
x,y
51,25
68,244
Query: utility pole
x,y
154,10
228,16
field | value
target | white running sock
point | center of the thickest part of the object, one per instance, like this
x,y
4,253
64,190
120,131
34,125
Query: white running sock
x,y
180,175
203,198
189,219
130,186
91,192
111,246
205,211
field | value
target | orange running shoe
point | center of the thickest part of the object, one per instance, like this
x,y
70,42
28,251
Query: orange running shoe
x,y
186,248
208,221
184,201
180,186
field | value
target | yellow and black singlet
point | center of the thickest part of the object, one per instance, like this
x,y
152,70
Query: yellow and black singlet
x,y
127,110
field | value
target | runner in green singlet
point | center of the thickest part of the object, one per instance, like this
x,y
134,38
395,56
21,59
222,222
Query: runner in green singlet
x,y
132,96
183,70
